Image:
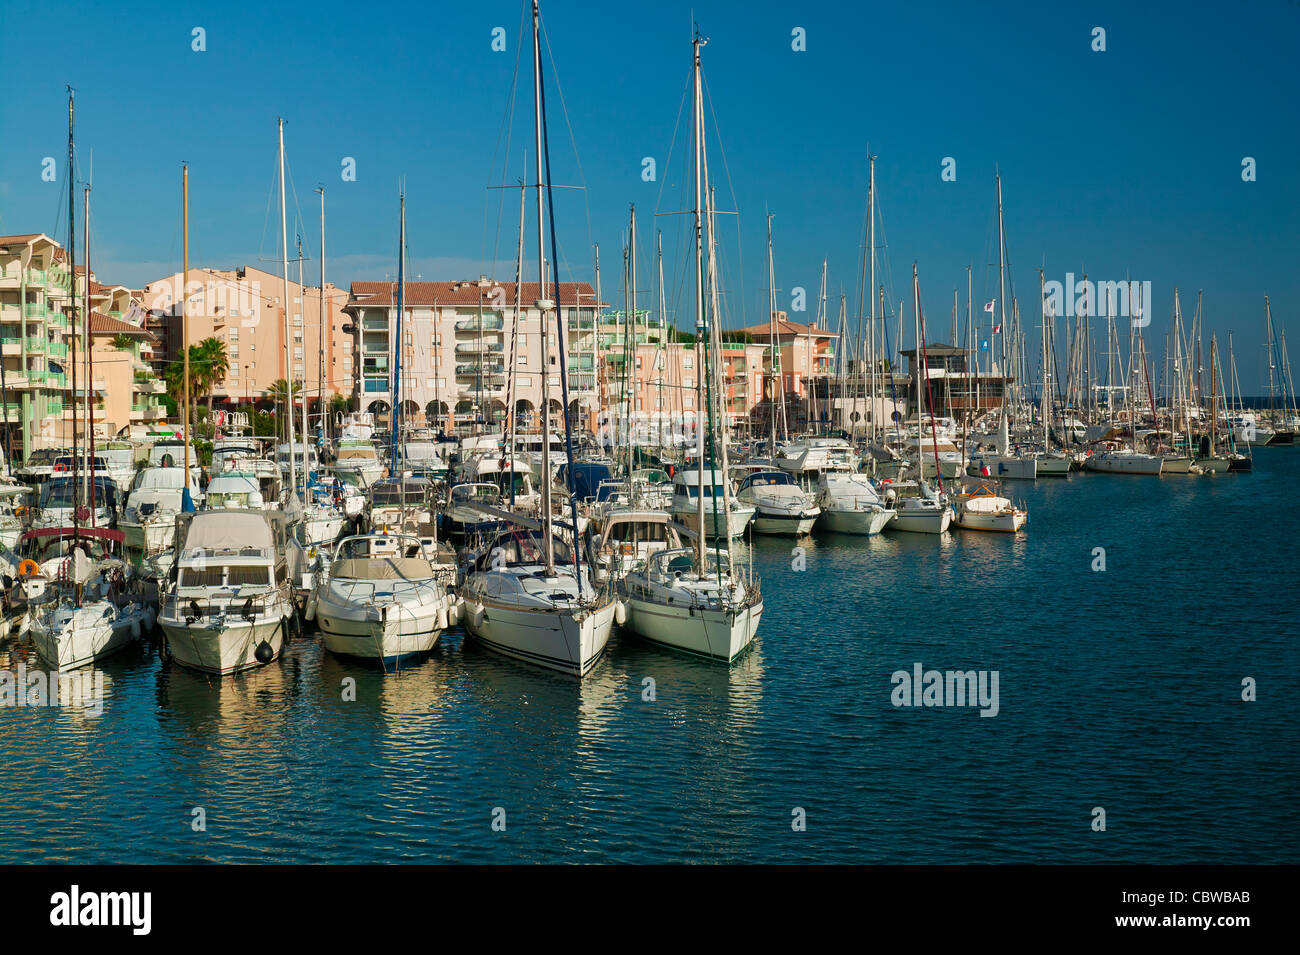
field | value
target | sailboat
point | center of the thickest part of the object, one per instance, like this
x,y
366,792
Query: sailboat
x,y
530,596
694,599
93,614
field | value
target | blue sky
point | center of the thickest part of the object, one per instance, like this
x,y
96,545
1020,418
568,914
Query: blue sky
x,y
1123,163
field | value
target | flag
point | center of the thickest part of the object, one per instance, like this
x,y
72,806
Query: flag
x,y
984,345
997,328
988,306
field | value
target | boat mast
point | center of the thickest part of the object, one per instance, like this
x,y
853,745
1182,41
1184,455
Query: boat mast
x,y
72,279
1002,301
1045,400
771,324
302,316
870,409
320,334
90,363
288,364
698,124
395,417
185,318
543,306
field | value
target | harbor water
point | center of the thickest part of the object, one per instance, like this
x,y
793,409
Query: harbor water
x,y
1120,676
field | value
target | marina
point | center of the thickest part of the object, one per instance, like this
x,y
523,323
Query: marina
x,y
658,524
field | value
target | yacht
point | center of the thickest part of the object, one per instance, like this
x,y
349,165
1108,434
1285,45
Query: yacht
x,y
919,508
148,517
385,598
720,519
780,505
704,607
981,508
851,504
226,605
94,612
626,537
361,459
519,604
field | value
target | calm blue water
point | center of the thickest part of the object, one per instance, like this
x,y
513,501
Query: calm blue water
x,y
1118,689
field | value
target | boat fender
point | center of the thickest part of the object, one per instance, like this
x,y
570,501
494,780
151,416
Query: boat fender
x,y
149,618
264,653
135,628
442,619
477,615
310,612
453,614
620,613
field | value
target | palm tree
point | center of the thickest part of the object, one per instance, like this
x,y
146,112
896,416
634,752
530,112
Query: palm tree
x,y
209,358
123,342
284,396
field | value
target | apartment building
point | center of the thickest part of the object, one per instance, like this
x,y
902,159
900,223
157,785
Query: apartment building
x,y
243,308
457,338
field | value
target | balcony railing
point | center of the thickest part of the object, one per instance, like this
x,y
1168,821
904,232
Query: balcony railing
x,y
490,323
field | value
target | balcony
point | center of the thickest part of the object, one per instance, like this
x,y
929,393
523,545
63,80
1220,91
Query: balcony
x,y
490,323
376,386
151,387
375,325
157,413
479,348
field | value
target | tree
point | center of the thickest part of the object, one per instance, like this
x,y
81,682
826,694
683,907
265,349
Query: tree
x,y
123,342
208,359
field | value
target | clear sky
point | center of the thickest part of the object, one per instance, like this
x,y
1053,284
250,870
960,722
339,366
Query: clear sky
x,y
1125,163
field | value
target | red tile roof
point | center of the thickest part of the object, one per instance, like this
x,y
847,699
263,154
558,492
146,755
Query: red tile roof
x,y
786,327
101,324
464,293
20,239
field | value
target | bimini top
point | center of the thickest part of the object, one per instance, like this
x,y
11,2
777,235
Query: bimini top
x,y
230,532
162,479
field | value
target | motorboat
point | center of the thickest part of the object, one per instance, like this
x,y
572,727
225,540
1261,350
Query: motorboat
x,y
385,598
227,604
780,505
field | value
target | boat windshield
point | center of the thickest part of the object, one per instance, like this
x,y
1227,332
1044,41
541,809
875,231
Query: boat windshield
x,y
523,547
399,495
768,479
480,493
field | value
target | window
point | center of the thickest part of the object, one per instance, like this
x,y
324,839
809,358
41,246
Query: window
x,y
234,334
688,382
297,319
233,351
688,361
297,352
523,358
297,337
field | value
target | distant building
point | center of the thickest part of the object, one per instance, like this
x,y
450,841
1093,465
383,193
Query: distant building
x,y
457,339
956,390
40,341
243,309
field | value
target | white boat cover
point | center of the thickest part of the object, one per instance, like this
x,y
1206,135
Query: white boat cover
x,y
222,530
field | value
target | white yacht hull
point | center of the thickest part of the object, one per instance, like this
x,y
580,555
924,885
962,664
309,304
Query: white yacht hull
x,y
797,524
997,523
405,631
223,648
861,522
1010,468
561,640
717,634
148,539
731,523
85,641
1118,462
922,520
1054,465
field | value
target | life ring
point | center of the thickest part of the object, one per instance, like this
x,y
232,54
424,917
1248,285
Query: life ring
x,y
28,568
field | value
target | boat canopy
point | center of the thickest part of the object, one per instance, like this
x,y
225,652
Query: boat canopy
x,y
162,479
215,531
